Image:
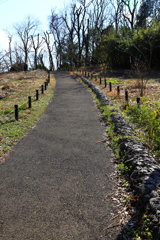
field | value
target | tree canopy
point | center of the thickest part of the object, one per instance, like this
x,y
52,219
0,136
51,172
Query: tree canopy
x,y
114,32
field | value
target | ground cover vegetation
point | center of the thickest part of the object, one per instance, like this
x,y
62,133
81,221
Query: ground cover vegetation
x,y
139,223
145,115
15,89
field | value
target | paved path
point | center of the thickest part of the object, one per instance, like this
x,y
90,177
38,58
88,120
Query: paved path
x,y
54,184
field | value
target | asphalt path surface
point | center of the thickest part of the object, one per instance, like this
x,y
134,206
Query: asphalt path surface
x,y
55,183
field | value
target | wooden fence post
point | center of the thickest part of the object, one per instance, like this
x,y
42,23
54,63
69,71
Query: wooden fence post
x,y
105,83
45,86
37,95
16,112
138,102
110,87
48,76
42,89
126,95
29,102
118,91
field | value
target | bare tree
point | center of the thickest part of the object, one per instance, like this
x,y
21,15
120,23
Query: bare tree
x,y
49,45
36,44
40,60
10,52
69,24
10,49
24,31
77,31
130,13
79,15
4,61
99,19
18,53
58,31
117,13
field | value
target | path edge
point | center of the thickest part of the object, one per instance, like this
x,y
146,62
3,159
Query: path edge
x,y
145,172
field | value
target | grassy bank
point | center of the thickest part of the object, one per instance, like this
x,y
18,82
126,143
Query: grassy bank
x,y
146,115
19,87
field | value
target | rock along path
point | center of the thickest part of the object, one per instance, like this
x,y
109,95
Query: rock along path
x,y
54,184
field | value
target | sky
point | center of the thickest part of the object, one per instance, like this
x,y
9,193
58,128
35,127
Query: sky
x,y
15,11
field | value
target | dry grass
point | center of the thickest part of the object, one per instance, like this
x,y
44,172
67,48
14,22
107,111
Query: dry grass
x,y
16,87
151,91
146,115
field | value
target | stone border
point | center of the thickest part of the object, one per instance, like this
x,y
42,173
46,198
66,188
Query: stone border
x,y
145,172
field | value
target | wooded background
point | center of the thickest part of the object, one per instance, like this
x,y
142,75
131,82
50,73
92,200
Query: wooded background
x,y
113,33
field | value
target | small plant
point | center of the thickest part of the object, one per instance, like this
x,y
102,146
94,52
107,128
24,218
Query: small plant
x,y
148,118
7,111
22,107
144,231
142,72
113,81
123,167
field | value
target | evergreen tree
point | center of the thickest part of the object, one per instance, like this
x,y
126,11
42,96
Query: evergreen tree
x,y
149,11
145,11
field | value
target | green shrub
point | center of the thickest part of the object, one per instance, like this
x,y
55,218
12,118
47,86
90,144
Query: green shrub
x,y
18,67
148,118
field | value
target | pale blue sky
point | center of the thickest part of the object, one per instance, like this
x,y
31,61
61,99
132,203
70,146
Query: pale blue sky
x,y
15,11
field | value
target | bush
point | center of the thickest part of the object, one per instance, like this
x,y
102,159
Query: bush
x,y
148,118
18,67
42,67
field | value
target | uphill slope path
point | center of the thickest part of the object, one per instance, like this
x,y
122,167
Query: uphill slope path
x,y
55,183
